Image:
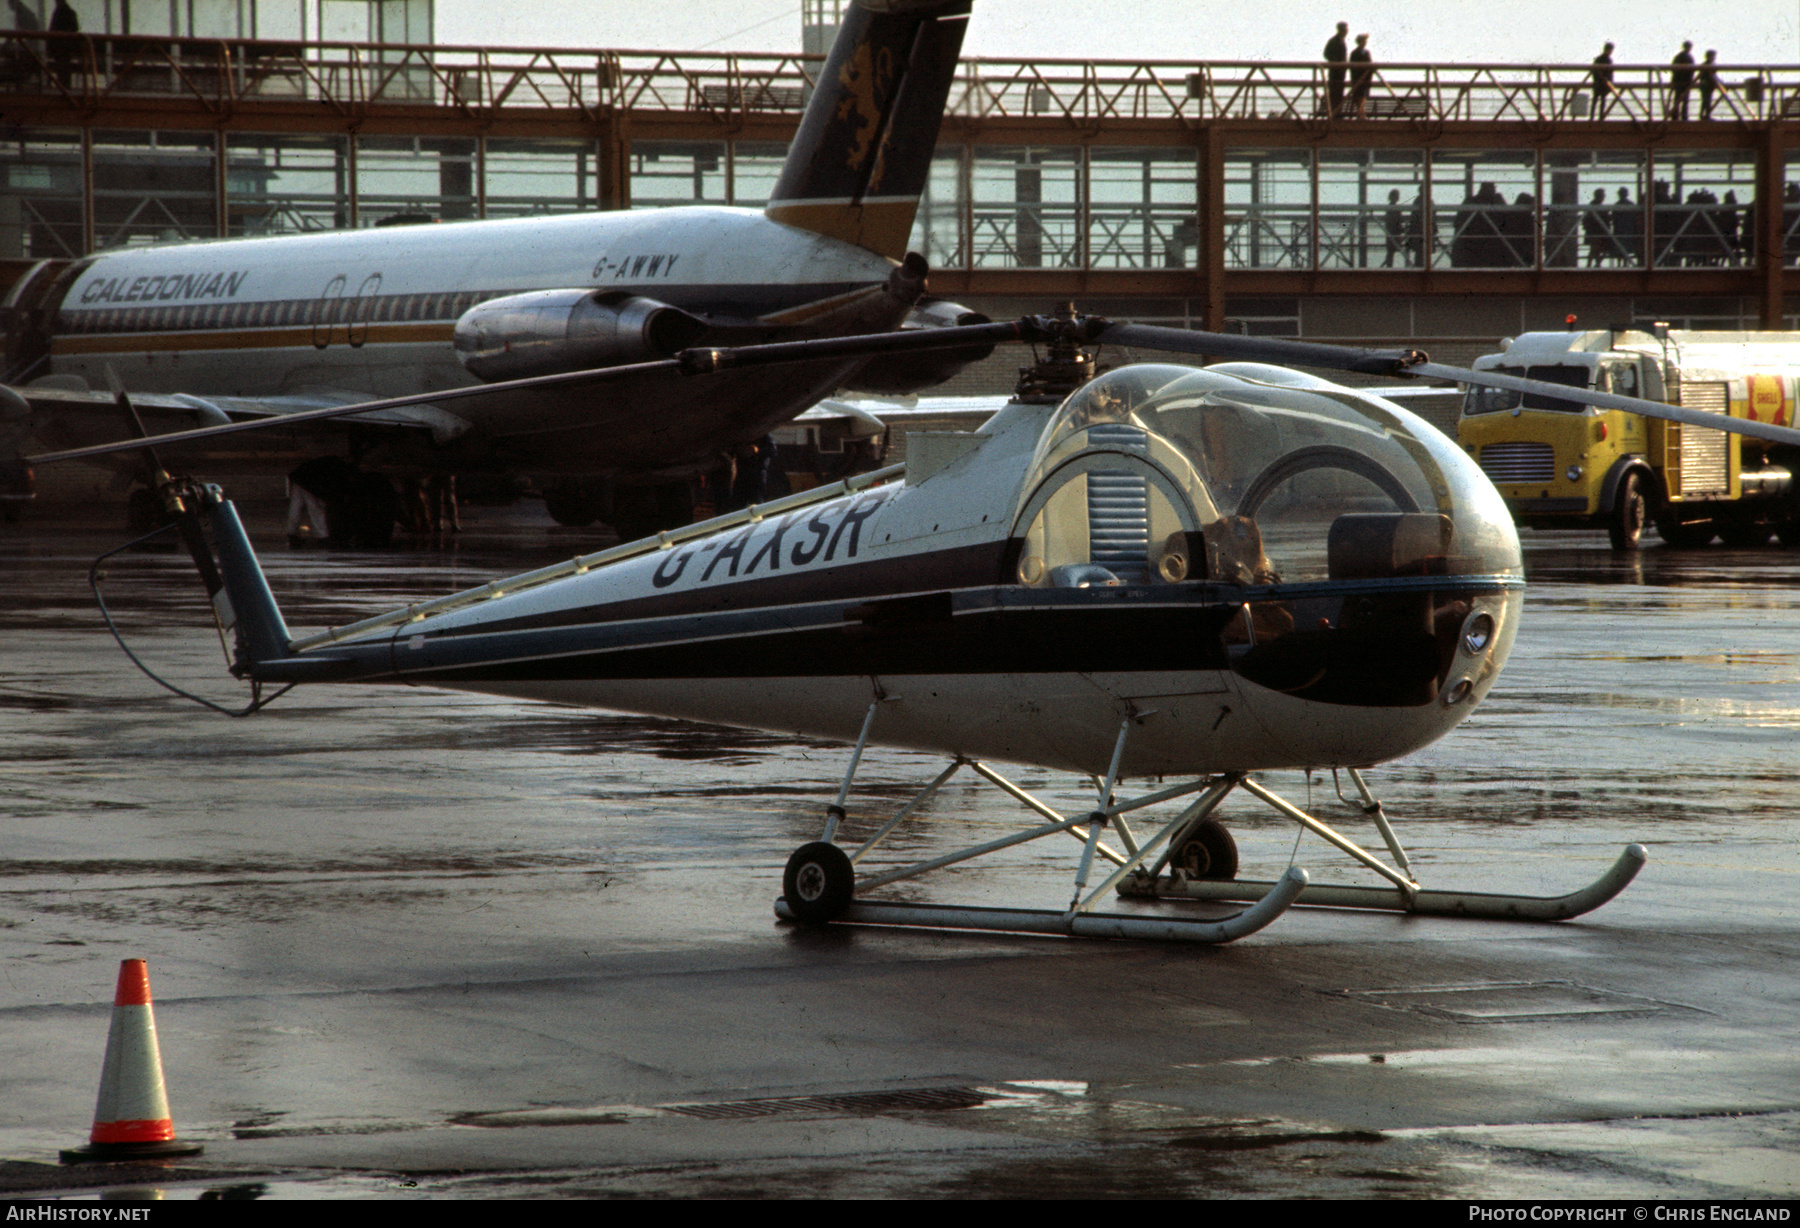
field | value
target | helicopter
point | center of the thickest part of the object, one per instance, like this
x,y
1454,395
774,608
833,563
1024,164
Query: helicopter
x,y
1192,574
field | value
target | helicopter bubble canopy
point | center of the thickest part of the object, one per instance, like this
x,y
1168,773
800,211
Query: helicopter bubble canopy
x,y
1251,474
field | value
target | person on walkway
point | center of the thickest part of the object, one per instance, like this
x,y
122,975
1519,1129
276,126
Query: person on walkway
x,y
17,64
1394,231
1419,236
1337,57
1681,81
1709,83
1604,89
1362,76
1628,231
65,51
1596,228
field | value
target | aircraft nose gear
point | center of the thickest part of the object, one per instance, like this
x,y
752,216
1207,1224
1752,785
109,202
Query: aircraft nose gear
x,y
818,883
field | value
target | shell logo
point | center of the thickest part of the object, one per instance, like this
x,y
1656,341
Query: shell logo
x,y
1768,399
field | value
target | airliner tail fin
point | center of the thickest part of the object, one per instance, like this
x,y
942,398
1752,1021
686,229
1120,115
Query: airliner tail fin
x,y
862,155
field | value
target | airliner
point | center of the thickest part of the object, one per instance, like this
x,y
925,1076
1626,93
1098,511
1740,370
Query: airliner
x,y
209,333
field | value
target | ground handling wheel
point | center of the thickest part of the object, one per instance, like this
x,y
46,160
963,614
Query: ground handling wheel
x,y
1208,851
819,882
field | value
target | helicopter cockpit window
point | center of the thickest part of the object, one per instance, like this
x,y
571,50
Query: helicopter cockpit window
x,y
1111,503
1250,475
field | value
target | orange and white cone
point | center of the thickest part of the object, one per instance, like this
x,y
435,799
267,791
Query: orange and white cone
x,y
131,1118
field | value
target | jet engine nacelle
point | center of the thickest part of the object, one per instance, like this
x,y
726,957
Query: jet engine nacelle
x,y
546,332
900,374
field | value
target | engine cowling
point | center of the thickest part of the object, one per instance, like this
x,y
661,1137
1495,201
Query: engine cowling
x,y
547,332
900,374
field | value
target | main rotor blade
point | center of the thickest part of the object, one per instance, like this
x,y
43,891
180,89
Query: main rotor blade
x,y
702,359
1612,400
1416,363
1275,350
593,375
1080,330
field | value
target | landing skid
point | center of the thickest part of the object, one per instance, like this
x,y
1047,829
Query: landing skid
x,y
821,884
1478,905
1269,905
1406,895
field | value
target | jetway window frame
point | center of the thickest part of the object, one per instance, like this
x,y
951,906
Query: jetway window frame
x,y
941,227
1359,227
559,175
1271,196
1586,232
44,194
304,158
150,185
1042,222
1486,227
755,168
389,190
1695,219
1147,217
703,165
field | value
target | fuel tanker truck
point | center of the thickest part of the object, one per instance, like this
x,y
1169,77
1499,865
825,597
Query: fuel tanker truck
x,y
1564,465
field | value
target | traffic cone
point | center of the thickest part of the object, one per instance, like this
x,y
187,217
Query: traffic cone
x,y
131,1118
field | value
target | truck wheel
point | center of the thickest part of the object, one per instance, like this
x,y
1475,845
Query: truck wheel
x,y
1685,534
1630,512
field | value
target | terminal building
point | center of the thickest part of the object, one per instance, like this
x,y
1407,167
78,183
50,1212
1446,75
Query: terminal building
x,y
1465,202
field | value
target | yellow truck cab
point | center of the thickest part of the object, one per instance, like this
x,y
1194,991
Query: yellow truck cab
x,y
1562,464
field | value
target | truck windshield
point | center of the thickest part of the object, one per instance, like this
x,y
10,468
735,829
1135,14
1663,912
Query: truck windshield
x,y
1487,400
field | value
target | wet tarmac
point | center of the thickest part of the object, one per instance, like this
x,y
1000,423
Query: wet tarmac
x,y
413,944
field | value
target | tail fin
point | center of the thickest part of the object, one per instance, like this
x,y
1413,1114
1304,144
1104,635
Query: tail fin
x,y
863,153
